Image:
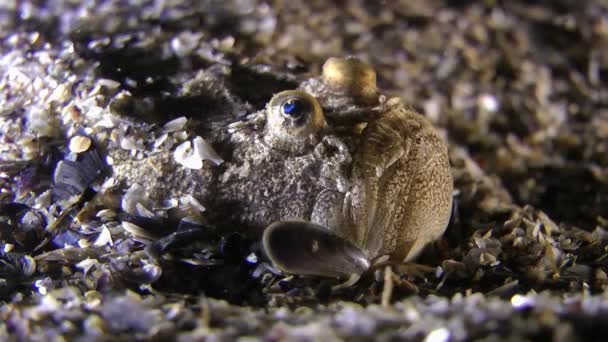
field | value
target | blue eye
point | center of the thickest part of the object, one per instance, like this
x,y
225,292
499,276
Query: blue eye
x,y
293,108
289,107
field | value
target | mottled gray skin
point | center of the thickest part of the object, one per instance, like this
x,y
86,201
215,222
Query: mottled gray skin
x,y
372,171
267,184
162,177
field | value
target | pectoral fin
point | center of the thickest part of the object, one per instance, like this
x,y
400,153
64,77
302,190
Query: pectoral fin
x,y
305,248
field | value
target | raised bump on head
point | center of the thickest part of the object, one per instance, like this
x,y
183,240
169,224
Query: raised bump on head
x,y
353,77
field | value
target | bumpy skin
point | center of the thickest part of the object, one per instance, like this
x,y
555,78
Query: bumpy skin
x,y
263,184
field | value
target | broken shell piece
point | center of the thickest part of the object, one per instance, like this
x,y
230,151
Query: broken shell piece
x,y
205,151
28,265
192,154
143,211
136,194
104,238
191,202
305,248
175,124
73,177
130,143
185,155
167,204
160,140
139,233
79,143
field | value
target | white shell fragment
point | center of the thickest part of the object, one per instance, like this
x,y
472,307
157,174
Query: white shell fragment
x,y
206,151
104,238
60,94
143,211
87,264
160,140
185,155
135,195
79,144
139,233
106,214
130,143
438,335
175,124
109,84
191,202
192,154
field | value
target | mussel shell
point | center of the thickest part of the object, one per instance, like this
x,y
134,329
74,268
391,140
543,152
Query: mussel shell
x,y
305,248
74,177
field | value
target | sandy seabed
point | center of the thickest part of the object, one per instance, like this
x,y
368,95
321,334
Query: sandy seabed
x,y
517,88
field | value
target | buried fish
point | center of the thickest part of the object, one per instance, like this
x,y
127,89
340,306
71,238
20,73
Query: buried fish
x,y
333,173
367,178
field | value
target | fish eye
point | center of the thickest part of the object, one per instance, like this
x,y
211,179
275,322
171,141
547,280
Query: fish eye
x,y
295,108
293,115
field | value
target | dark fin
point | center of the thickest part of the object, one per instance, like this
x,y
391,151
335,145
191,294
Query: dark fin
x,y
305,248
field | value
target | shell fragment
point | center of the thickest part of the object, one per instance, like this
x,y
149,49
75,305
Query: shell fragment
x,y
206,151
185,155
79,144
192,154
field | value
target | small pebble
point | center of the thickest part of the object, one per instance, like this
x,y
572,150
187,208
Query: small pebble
x,y
80,144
